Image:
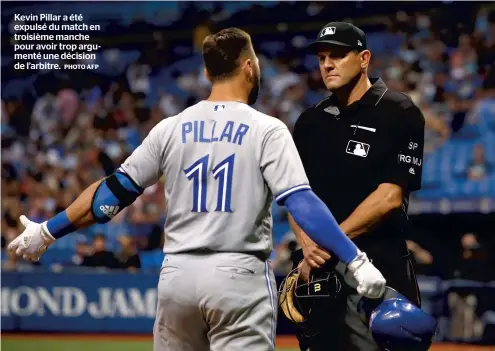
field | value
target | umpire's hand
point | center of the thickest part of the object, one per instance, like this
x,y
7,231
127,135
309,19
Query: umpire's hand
x,y
314,255
33,241
370,281
304,270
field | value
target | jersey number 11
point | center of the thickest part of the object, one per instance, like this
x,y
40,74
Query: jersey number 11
x,y
222,172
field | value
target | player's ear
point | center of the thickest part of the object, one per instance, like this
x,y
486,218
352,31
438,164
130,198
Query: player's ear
x,y
247,67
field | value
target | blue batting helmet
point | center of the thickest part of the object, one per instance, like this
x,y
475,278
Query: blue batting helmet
x,y
397,324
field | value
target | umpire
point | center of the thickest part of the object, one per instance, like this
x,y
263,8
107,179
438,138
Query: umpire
x,y
362,148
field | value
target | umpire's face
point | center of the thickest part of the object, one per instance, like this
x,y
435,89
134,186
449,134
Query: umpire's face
x,y
340,65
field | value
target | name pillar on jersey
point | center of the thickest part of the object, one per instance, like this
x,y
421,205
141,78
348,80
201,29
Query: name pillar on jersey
x,y
203,133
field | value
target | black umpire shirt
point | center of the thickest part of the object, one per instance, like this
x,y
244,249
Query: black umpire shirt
x,y
348,152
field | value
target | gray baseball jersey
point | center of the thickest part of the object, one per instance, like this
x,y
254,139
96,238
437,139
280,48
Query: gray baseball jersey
x,y
223,163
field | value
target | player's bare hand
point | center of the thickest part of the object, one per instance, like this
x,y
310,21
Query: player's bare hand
x,y
371,282
34,240
304,270
315,256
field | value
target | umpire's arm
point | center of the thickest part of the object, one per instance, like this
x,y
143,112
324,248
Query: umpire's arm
x,y
385,199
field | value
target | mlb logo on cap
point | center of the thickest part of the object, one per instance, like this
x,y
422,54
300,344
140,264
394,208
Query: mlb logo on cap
x,y
327,31
339,34
219,108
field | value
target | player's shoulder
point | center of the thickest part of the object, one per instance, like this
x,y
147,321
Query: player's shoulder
x,y
264,122
166,123
163,130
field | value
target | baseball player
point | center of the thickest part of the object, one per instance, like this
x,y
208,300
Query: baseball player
x,y
223,162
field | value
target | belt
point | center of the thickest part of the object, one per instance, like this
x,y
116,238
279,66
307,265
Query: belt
x,y
204,251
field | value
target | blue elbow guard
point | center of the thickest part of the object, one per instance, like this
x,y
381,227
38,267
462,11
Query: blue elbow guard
x,y
113,194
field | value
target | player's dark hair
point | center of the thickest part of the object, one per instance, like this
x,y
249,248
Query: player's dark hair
x,y
222,52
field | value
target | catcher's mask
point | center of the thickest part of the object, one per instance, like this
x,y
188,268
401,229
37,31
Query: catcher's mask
x,y
297,297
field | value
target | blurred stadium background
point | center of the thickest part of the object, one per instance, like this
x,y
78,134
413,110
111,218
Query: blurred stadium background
x,y
62,130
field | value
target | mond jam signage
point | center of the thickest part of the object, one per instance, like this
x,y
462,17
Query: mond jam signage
x,y
78,302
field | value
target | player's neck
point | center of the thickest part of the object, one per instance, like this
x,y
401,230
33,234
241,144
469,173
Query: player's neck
x,y
228,91
353,91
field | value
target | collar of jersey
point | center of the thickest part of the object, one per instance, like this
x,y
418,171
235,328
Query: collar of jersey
x,y
370,98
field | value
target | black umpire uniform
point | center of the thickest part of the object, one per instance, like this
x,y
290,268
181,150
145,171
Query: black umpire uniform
x,y
347,152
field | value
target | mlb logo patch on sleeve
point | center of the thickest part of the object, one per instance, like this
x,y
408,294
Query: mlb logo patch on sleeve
x,y
219,108
357,148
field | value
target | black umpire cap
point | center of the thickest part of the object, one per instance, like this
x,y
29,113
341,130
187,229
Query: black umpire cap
x,y
340,34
